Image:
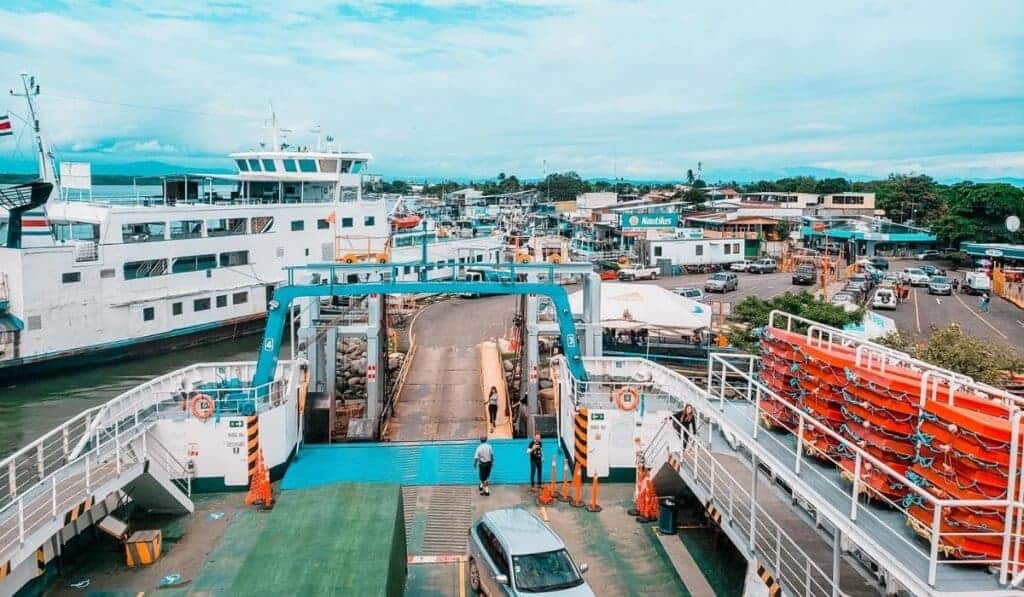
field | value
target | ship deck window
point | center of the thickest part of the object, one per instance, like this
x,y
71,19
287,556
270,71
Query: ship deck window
x,y
298,225
202,304
193,263
254,165
239,298
357,167
71,277
225,226
148,314
144,269
143,232
108,272
234,258
328,165
346,222
322,224
289,166
186,229
243,166
368,221
307,165
346,166
262,224
268,166
222,300
176,309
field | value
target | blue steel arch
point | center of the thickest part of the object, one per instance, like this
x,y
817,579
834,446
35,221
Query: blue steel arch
x,y
285,295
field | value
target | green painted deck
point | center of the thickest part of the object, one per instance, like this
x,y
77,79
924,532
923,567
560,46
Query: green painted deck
x,y
343,539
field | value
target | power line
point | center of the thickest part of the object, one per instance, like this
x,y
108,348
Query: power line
x,y
145,107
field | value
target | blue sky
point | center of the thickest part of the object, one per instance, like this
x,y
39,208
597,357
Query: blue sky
x,y
640,89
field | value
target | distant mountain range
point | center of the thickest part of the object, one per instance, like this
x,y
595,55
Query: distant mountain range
x,y
742,175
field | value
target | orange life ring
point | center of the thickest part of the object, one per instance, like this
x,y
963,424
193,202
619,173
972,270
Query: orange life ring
x,y
523,258
623,260
202,407
627,398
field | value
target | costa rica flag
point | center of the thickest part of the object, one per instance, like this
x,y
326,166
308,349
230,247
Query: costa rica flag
x,y
5,126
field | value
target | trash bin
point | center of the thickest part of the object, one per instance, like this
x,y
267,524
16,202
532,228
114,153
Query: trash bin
x,y
667,516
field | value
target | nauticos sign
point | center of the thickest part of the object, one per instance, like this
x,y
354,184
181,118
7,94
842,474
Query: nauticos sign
x,y
662,220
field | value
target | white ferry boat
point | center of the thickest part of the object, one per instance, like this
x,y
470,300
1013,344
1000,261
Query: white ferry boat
x,y
83,281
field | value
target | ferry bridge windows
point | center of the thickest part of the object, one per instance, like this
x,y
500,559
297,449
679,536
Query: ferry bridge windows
x,y
298,225
142,232
254,165
108,272
307,165
202,304
346,166
728,249
268,166
368,221
357,167
193,263
147,268
346,222
176,309
243,166
233,258
148,314
322,224
225,226
289,166
699,250
35,322
222,300
328,165
182,229
239,298
71,277
262,224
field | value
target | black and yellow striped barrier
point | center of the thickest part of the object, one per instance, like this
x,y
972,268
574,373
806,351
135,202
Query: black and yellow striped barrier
x,y
773,587
40,561
252,428
713,513
77,512
581,423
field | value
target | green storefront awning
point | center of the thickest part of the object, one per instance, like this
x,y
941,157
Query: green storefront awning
x,y
10,323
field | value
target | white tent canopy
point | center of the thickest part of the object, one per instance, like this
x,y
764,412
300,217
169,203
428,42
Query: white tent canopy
x,y
646,306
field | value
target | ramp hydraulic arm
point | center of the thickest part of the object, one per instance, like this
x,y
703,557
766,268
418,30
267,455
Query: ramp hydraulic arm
x,y
277,311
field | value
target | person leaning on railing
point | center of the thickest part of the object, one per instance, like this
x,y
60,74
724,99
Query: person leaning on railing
x,y
685,422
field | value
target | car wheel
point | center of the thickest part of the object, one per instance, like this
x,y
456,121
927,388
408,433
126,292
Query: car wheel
x,y
474,577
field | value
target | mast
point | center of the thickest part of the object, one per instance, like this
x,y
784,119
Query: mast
x,y
47,173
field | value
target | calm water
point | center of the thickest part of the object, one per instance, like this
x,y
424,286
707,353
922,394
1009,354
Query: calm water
x,y
33,407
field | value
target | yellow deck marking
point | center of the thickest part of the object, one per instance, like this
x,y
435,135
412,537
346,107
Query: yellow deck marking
x,y
917,312
983,320
462,577
544,513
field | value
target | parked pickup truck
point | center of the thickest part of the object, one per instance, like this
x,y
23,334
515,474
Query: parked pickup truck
x,y
638,273
763,266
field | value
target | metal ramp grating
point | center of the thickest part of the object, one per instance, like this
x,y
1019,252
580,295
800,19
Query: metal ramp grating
x,y
449,513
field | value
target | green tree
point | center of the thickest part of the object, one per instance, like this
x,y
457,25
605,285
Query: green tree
x,y
951,230
751,314
950,348
828,186
563,186
911,197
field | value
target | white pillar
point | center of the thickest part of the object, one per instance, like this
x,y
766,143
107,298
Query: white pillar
x,y
593,333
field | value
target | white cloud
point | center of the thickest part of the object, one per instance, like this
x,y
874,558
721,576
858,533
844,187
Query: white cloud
x,y
641,88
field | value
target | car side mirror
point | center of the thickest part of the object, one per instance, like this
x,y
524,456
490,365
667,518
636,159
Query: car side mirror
x,y
501,579
584,568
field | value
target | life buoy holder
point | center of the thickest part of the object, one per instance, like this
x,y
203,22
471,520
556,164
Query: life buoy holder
x,y
627,398
523,258
554,258
202,407
623,260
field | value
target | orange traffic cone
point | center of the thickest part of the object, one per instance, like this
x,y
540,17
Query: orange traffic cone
x,y
259,488
577,487
564,496
547,493
593,506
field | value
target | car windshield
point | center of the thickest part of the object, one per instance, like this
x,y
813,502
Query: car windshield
x,y
940,280
842,298
915,271
720,277
542,572
806,269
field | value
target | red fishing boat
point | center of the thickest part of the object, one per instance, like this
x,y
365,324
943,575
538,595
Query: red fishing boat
x,y
405,221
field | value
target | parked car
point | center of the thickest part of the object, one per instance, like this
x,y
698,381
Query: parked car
x,y
722,282
885,298
914,276
512,552
940,285
892,278
977,283
805,275
931,270
865,278
609,274
763,266
843,298
929,254
858,290
690,292
638,273
741,266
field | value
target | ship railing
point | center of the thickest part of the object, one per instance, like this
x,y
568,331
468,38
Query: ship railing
x,y
180,474
805,462
753,529
86,250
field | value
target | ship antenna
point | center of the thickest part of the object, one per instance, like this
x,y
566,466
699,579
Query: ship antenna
x,y
316,131
47,173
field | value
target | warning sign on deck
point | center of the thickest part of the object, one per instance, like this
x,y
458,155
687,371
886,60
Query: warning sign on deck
x,y
371,373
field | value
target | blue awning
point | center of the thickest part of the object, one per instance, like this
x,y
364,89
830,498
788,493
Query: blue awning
x,y
10,323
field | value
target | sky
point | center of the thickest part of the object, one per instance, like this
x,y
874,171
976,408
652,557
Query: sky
x,y
629,88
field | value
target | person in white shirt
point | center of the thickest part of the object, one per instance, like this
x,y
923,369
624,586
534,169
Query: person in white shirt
x,y
484,460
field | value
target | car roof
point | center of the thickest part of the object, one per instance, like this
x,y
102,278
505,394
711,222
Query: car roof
x,y
521,532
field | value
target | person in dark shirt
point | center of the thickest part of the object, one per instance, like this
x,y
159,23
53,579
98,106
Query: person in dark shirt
x,y
536,453
686,423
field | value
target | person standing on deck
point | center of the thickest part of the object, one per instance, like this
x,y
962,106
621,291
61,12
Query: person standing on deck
x,y
492,406
536,453
483,459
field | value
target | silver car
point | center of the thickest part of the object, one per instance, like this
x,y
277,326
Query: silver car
x,y
512,552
